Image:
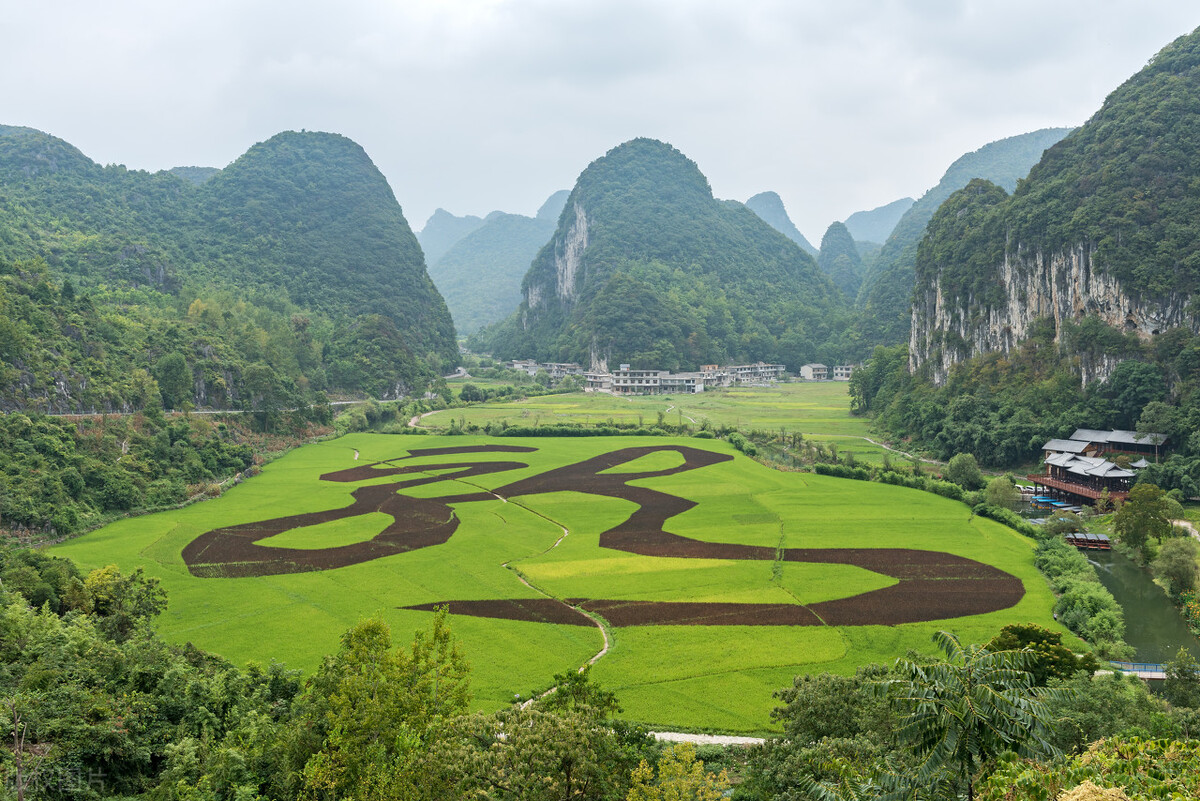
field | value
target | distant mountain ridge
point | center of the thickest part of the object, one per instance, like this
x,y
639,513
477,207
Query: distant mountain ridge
x,y
769,206
646,267
876,225
840,260
442,230
480,275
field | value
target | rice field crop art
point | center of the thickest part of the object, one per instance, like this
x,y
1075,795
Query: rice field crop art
x,y
698,580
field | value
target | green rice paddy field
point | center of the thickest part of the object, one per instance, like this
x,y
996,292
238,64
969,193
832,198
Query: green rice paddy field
x,y
820,410
695,676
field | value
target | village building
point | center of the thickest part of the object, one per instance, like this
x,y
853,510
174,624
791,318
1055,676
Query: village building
x,y
597,381
1118,441
627,381
842,372
559,370
814,372
757,373
1077,472
524,365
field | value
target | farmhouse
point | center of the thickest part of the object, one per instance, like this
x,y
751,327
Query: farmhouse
x,y
842,372
814,372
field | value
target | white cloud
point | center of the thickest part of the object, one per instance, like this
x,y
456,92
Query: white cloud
x,y
480,104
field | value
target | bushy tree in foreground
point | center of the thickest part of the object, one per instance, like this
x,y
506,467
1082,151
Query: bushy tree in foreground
x,y
681,777
961,713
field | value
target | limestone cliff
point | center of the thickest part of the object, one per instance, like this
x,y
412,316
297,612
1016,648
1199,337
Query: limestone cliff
x,y
1061,286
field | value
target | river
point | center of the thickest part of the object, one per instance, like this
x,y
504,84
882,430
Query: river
x,y
1152,624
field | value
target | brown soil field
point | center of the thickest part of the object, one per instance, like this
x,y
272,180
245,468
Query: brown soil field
x,y
531,610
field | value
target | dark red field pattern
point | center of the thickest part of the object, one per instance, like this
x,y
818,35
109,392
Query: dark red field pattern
x,y
530,610
930,585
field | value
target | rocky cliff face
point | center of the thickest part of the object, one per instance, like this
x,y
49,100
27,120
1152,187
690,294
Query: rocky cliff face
x,y
1060,286
568,260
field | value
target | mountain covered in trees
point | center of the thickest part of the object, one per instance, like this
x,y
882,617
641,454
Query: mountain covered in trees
x,y
886,293
480,274
840,260
647,267
769,206
293,264
1070,302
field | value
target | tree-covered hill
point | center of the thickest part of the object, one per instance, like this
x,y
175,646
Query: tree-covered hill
x,y
769,206
295,259
877,224
886,294
646,267
840,260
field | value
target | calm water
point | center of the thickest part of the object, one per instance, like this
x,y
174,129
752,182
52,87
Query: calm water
x,y
1152,625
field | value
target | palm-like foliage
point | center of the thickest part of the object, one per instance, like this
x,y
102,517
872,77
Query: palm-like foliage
x,y
961,713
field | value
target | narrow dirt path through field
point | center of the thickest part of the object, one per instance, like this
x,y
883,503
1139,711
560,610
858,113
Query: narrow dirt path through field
x,y
599,623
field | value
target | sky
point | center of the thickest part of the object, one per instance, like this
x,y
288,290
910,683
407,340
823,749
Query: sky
x,y
476,105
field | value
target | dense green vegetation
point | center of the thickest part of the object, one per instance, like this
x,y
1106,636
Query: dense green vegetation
x,y
94,704
661,274
839,259
1003,407
294,264
886,295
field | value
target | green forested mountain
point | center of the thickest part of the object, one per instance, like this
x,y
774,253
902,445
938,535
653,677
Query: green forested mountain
x,y
1073,297
442,230
886,294
647,267
480,275
877,224
294,264
839,259
769,206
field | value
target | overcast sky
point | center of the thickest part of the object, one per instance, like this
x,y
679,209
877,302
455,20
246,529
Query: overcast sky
x,y
475,105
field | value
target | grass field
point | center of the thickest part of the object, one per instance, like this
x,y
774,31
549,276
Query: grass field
x,y
698,676
820,410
